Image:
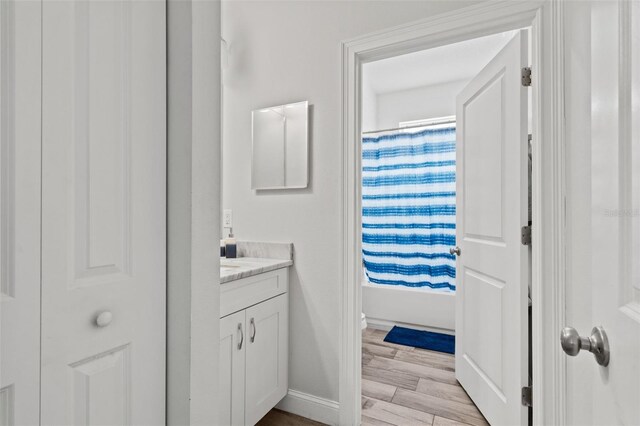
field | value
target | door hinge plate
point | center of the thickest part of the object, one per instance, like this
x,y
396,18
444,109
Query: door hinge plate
x,y
527,396
526,76
526,236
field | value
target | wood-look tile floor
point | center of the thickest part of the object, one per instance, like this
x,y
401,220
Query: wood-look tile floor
x,y
402,385
277,417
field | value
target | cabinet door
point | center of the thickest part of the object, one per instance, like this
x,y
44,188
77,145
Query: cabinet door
x,y
267,356
232,361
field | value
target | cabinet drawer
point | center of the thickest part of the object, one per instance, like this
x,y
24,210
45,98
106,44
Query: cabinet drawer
x,y
240,294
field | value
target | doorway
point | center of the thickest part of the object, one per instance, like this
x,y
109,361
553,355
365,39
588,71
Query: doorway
x,y
446,175
468,24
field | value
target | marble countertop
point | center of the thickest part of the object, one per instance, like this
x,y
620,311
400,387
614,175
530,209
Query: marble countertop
x,y
242,267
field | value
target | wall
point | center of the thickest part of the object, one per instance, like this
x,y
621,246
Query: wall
x,y
417,103
193,197
282,52
369,106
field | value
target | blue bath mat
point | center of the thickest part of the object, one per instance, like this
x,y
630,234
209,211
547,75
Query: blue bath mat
x,y
422,339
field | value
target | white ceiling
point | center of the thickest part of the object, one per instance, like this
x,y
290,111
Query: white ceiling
x,y
453,62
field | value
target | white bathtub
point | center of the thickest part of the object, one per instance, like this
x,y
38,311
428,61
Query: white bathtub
x,y
385,306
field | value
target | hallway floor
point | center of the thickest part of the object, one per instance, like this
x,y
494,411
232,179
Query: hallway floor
x,y
402,385
277,417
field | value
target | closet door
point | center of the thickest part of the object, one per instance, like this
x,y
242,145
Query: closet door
x,y
19,212
233,341
103,212
267,356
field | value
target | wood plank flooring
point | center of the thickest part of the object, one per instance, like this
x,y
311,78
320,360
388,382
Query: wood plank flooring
x,y
406,386
402,386
277,417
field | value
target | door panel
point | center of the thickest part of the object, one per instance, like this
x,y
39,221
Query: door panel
x,y
491,183
91,377
267,356
609,395
233,341
19,211
103,212
483,185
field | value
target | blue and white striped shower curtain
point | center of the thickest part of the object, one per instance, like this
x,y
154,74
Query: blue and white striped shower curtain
x,y
409,207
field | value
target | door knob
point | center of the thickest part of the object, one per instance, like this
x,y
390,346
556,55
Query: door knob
x,y
104,319
598,344
455,250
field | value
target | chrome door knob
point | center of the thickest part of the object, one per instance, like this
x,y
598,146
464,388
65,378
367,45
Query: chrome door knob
x,y
455,250
598,343
104,319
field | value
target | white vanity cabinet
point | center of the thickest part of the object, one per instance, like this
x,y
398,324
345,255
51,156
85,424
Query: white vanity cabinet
x,y
254,346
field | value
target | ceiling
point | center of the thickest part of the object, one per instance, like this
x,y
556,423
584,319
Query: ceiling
x,y
453,62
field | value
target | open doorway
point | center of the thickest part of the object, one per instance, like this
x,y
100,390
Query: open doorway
x,y
445,170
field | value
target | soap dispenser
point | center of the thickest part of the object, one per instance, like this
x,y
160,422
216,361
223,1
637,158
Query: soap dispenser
x,y
231,246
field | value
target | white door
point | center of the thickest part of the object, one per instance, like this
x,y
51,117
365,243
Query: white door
x,y
267,356
19,212
492,268
233,341
607,294
103,212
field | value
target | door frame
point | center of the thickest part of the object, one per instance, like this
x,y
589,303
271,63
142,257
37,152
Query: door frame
x,y
546,19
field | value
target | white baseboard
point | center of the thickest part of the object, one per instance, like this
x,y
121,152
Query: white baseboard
x,y
309,406
385,325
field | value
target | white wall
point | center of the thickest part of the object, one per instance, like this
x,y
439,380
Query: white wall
x,y
193,196
281,52
418,103
369,106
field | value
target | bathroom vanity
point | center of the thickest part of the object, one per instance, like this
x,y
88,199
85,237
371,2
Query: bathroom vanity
x,y
254,333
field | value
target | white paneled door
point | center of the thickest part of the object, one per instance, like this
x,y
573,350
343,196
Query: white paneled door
x,y
609,394
492,267
19,212
103,212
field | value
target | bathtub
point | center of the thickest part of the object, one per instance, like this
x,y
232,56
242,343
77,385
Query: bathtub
x,y
423,308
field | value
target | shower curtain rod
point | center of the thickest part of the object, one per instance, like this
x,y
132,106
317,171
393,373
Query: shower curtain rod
x,y
434,123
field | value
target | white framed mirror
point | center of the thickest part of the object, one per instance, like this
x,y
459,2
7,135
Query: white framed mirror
x,y
279,158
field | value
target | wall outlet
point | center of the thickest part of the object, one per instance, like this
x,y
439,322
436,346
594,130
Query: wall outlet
x,y
227,218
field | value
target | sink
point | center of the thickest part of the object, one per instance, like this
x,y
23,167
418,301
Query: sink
x,y
229,266
235,264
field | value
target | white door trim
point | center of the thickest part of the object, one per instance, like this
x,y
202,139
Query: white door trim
x,y
548,271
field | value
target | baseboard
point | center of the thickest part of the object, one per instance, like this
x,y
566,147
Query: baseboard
x,y
309,406
386,325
